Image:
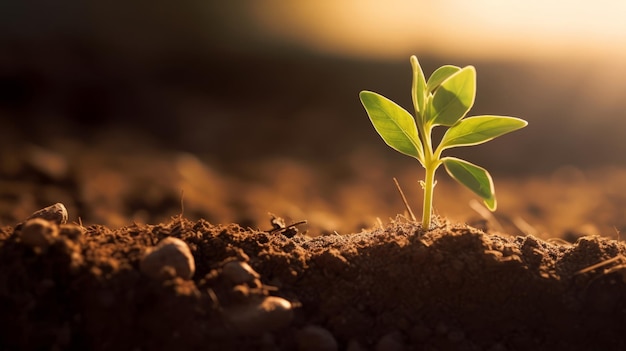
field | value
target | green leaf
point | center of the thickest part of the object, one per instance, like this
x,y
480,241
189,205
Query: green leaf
x,y
454,97
475,178
442,73
479,129
418,88
394,124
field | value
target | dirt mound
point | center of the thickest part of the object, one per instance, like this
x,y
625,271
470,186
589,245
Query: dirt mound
x,y
395,287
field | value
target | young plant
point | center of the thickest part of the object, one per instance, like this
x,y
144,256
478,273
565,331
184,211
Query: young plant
x,y
442,100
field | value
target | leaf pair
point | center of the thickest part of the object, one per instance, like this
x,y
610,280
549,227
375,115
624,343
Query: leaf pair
x,y
443,100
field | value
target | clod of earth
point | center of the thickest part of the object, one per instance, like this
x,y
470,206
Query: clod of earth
x,y
39,233
239,272
72,231
171,258
259,316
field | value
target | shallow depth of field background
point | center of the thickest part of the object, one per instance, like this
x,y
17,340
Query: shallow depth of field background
x,y
266,92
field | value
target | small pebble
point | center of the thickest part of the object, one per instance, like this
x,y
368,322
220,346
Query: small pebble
x,y
315,338
39,233
260,316
56,213
239,272
171,258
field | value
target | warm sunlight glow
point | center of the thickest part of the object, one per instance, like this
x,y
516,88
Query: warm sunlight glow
x,y
489,28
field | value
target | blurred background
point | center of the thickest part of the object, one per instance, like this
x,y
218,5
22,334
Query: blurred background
x,y
123,111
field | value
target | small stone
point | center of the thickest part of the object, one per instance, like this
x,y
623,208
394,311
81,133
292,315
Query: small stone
x,y
239,272
56,213
171,258
260,316
315,338
38,233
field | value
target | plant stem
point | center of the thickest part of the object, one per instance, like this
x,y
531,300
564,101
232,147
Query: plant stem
x,y
431,160
429,185
431,163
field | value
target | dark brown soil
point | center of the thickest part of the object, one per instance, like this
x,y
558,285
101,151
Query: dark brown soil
x,y
389,288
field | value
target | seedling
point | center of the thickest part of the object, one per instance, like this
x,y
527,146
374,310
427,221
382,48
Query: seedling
x,y
442,100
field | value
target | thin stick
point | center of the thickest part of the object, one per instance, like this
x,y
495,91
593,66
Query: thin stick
x,y
601,264
182,202
182,208
406,203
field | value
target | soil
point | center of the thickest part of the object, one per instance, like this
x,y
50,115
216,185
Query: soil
x,y
390,288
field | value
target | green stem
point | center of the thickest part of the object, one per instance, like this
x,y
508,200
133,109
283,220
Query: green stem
x,y
431,163
431,160
429,187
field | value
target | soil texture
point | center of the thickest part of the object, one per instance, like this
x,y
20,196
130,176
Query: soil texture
x,y
393,287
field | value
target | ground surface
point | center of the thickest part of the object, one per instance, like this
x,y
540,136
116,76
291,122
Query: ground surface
x,y
512,285
119,178
390,288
